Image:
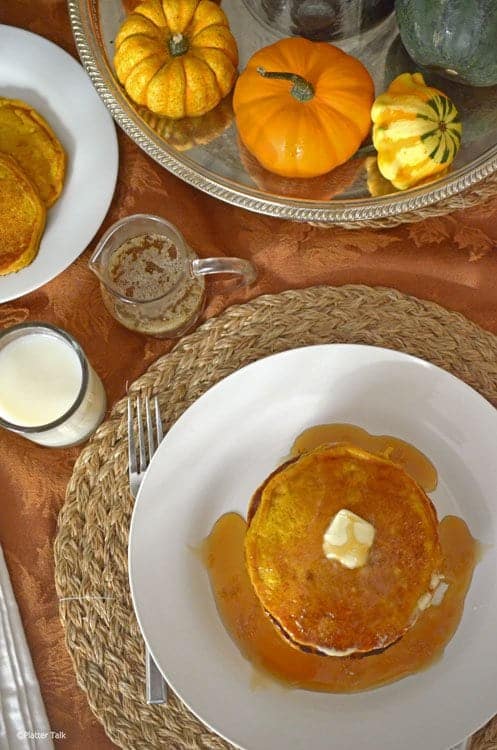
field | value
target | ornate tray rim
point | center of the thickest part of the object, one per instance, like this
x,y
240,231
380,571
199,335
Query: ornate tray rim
x,y
330,212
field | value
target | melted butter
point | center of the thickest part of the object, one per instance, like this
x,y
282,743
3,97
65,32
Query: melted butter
x,y
260,643
412,460
348,539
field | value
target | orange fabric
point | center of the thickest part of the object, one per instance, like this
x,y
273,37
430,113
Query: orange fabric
x,y
450,260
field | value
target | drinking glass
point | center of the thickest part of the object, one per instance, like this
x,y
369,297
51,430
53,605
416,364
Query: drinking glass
x,y
49,392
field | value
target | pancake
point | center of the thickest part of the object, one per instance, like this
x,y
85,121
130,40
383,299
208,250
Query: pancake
x,y
26,136
22,217
317,603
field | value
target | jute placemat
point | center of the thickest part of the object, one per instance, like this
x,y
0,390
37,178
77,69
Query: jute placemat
x,y
91,546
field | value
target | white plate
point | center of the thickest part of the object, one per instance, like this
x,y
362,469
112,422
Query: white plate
x,y
45,76
213,459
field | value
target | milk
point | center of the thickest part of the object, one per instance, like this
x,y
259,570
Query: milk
x,y
41,379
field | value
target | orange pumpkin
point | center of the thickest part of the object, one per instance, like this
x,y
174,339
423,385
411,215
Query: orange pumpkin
x,y
321,188
303,108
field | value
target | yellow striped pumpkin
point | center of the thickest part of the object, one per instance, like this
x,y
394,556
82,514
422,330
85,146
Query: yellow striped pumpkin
x,y
178,58
416,131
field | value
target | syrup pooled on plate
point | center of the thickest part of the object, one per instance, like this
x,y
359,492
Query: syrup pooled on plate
x,y
412,460
258,639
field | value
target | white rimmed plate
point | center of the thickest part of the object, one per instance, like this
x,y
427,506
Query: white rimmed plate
x,y
48,78
213,459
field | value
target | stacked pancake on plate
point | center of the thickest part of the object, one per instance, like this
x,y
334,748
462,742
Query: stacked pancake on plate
x,y
322,601
32,170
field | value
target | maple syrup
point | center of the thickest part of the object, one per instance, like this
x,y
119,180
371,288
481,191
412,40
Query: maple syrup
x,y
260,642
412,460
150,289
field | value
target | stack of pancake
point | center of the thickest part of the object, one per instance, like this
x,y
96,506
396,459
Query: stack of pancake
x,y
317,603
32,170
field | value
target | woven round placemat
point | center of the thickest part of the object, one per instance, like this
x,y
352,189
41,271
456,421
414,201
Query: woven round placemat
x,y
101,631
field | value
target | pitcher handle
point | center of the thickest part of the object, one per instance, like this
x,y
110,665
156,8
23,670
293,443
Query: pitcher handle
x,y
237,266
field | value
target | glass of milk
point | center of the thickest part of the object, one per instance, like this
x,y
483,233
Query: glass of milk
x,y
49,393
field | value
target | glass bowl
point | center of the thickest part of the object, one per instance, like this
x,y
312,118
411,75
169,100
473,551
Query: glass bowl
x,y
206,152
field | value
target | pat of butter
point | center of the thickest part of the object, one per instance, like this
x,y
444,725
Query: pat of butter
x,y
348,539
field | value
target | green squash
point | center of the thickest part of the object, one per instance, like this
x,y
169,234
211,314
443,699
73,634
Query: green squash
x,y
456,38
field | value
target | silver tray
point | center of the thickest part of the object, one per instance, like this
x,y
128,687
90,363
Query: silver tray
x,y
220,168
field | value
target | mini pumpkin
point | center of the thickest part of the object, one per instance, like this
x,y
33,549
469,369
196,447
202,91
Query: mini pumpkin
x,y
178,58
303,108
416,131
321,188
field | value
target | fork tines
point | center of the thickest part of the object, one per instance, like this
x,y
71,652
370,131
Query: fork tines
x,y
147,423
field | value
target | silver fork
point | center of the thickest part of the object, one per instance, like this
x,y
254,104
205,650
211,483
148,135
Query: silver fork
x,y
156,688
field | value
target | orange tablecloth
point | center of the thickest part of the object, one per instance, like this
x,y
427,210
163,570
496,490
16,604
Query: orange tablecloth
x,y
450,260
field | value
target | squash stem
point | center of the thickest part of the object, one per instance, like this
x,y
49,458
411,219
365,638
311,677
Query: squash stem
x,y
178,45
301,90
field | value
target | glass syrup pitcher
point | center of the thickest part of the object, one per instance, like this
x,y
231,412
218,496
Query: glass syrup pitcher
x,y
151,281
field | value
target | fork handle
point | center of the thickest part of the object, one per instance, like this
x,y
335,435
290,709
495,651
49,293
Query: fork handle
x,y
156,690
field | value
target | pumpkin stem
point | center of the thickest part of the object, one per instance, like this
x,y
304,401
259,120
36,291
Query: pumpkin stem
x,y
302,90
178,45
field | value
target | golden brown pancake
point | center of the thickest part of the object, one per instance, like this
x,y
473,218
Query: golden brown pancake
x,y
22,217
26,136
318,604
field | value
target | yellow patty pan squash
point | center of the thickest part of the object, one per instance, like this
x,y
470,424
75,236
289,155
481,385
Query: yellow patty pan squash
x,y
178,58
416,131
